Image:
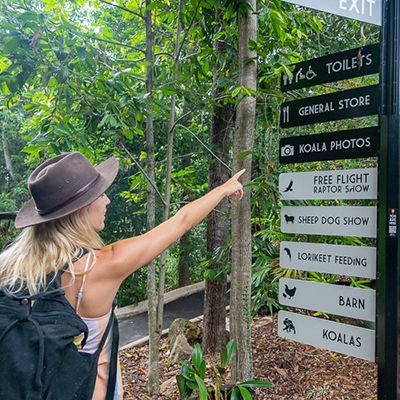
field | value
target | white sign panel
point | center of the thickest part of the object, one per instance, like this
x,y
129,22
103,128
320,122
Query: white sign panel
x,y
332,299
334,336
361,10
327,185
335,221
329,259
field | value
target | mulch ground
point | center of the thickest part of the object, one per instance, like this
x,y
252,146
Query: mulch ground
x,y
297,371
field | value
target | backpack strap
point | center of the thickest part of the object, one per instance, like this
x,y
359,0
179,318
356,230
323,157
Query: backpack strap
x,y
112,324
112,372
28,319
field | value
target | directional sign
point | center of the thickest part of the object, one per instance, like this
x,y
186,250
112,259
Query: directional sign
x,y
335,221
329,258
354,143
361,10
333,299
334,67
331,107
334,336
327,185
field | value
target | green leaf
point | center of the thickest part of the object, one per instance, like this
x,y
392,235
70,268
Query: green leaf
x,y
202,388
4,63
245,393
12,85
244,154
139,131
128,134
81,51
103,120
235,394
257,384
152,6
197,356
4,88
69,97
33,150
244,91
184,390
167,91
202,370
210,274
123,101
227,353
180,380
236,91
113,121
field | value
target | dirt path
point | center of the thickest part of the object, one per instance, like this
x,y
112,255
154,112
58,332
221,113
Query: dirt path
x,y
297,371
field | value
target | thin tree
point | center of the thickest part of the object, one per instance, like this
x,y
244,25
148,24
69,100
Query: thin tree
x,y
6,152
185,241
215,296
240,317
156,307
153,383
167,198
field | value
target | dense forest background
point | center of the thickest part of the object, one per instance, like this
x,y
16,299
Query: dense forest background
x,y
99,76
72,78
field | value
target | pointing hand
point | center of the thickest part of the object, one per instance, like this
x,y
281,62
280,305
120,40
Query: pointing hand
x,y
233,187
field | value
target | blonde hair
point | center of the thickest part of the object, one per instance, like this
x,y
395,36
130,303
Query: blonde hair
x,y
45,248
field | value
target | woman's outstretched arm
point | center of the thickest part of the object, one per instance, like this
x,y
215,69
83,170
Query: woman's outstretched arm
x,y
126,256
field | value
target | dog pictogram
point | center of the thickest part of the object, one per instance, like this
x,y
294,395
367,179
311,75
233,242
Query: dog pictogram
x,y
289,218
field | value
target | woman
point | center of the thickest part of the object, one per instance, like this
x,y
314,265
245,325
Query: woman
x,y
67,209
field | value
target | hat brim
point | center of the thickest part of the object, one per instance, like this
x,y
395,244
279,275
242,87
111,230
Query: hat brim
x,y
29,216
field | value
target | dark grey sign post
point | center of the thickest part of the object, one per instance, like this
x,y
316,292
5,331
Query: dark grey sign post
x,y
388,307
330,107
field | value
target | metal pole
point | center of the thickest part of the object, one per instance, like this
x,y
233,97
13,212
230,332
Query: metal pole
x,y
388,277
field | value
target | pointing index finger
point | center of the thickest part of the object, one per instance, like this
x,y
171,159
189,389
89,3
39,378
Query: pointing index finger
x,y
240,173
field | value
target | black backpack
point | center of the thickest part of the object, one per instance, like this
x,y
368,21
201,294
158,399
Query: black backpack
x,y
38,357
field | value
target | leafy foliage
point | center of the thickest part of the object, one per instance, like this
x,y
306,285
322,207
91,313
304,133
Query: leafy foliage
x,y
72,77
192,378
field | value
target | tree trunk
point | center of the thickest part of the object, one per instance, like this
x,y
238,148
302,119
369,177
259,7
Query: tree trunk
x,y
7,157
185,241
8,215
154,379
183,265
167,199
240,316
218,221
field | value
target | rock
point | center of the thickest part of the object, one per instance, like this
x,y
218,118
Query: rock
x,y
180,350
190,330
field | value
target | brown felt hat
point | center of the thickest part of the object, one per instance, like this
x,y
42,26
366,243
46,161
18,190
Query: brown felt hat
x,y
63,185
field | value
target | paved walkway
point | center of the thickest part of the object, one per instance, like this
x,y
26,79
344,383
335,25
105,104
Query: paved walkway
x,y
135,327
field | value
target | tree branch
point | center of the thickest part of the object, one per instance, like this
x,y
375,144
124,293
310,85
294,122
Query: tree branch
x,y
164,54
180,118
143,172
122,8
188,28
116,43
191,55
127,60
206,147
8,215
